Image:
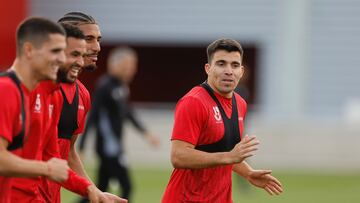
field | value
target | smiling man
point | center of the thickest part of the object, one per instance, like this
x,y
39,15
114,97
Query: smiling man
x,y
207,143
72,103
40,45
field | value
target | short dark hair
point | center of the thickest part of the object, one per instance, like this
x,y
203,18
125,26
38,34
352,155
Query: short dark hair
x,y
77,18
36,30
72,31
228,45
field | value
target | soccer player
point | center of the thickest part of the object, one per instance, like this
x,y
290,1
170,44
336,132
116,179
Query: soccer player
x,y
73,100
207,140
40,45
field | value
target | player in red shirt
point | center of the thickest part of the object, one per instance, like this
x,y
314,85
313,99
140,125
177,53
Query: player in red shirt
x,y
72,101
43,132
207,141
40,51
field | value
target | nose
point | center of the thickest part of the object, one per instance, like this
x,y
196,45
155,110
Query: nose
x,y
62,57
96,46
81,62
228,70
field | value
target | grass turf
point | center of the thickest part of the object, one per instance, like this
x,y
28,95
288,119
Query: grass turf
x,y
299,187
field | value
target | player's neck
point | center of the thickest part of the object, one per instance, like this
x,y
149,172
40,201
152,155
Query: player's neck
x,y
24,72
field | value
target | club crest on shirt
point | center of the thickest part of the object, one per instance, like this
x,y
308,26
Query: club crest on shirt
x,y
217,114
37,104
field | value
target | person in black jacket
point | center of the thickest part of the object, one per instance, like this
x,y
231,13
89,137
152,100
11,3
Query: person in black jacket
x,y
109,110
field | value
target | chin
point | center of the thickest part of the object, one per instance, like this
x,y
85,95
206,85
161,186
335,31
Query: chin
x,y
90,67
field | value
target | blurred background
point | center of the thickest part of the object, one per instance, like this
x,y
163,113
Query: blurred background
x,y
302,83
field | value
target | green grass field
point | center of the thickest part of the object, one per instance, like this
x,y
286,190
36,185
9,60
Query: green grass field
x,y
302,187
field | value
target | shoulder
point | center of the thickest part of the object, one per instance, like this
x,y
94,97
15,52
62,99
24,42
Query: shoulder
x,y
82,89
9,93
196,97
8,88
6,82
241,103
84,94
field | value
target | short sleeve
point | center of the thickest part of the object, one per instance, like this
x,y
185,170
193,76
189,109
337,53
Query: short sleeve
x,y
190,117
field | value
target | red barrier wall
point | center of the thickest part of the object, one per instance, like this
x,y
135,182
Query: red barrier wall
x,y
11,14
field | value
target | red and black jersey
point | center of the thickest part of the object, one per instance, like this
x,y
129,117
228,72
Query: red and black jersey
x,y
199,121
71,104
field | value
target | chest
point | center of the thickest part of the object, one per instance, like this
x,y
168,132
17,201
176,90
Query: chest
x,y
214,128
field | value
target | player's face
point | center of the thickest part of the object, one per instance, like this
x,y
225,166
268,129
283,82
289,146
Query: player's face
x,y
92,37
224,72
47,58
75,52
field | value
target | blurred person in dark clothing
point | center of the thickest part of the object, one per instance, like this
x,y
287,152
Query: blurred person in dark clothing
x,y
108,114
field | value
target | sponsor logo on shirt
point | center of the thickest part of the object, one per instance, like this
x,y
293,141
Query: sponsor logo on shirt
x,y
241,118
81,107
217,114
37,104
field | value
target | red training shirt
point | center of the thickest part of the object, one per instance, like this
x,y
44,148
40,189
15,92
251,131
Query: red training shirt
x,y
198,122
64,144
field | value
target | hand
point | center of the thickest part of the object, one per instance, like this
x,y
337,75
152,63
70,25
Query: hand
x,y
57,169
153,140
264,179
96,196
244,149
113,198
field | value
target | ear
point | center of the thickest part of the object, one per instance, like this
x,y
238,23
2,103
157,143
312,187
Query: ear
x,y
28,49
242,71
207,68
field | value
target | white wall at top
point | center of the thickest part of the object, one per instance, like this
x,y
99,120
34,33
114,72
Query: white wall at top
x,y
308,63
334,57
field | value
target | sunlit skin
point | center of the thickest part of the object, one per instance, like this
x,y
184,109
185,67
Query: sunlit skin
x,y
47,58
93,37
75,52
224,72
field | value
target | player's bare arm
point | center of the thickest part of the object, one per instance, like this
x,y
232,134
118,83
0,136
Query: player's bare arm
x,y
184,154
12,165
75,161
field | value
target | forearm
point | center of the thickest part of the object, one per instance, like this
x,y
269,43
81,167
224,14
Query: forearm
x,y
190,158
12,165
76,164
243,169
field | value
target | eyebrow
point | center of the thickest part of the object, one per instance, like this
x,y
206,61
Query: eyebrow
x,y
76,52
56,49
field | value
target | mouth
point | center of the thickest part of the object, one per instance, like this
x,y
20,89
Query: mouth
x,y
74,71
93,57
227,81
